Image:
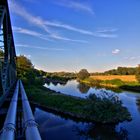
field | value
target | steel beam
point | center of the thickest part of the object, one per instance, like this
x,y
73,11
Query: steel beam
x,y
30,126
8,131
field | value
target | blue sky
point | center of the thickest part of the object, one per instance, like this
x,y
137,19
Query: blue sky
x,y
68,35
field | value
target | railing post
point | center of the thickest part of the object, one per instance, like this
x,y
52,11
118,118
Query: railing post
x,y
30,126
8,131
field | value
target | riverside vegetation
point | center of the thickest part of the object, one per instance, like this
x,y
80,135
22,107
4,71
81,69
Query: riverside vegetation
x,y
99,109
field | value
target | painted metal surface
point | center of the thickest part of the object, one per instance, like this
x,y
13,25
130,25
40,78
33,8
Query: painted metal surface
x,y
9,128
30,126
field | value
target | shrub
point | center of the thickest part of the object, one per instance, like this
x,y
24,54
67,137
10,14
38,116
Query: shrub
x,y
83,74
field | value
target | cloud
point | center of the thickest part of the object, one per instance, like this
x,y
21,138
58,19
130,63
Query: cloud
x,y
56,36
19,10
107,30
30,32
38,22
39,47
131,58
78,6
116,51
104,33
45,24
44,37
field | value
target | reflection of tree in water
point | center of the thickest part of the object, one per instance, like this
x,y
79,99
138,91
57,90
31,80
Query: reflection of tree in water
x,y
138,104
83,88
55,83
102,132
63,83
48,83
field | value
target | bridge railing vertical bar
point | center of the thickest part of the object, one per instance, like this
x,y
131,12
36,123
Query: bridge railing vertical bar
x,y
30,126
8,131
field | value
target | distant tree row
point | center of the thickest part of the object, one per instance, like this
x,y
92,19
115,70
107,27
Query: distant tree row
x,y
122,71
119,71
59,75
27,72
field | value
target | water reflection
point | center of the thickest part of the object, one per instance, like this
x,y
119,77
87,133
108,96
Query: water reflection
x,y
54,127
138,104
75,88
102,132
83,88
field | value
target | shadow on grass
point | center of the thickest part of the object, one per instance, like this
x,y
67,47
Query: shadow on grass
x,y
131,88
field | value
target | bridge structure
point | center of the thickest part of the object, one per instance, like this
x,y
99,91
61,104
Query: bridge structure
x,y
16,117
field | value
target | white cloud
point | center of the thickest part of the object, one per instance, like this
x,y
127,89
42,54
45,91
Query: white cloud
x,y
39,47
131,58
45,24
19,10
76,6
116,51
56,36
38,22
44,37
30,32
104,33
107,30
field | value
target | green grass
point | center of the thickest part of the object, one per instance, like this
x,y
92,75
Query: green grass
x,y
80,108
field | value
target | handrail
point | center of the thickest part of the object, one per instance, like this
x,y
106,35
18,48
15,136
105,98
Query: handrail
x,y
30,126
8,131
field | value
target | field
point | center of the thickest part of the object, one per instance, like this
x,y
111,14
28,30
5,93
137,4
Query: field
x,y
125,78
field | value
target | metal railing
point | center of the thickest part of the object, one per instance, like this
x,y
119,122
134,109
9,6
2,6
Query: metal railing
x,y
9,128
30,126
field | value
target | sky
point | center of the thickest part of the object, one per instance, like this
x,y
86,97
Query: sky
x,y
68,35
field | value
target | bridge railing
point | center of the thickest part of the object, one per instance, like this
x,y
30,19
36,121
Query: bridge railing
x,y
30,126
9,128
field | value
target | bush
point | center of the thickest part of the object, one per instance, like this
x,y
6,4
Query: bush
x,y
83,74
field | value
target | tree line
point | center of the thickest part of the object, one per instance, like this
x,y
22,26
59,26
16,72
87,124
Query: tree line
x,y
119,71
27,72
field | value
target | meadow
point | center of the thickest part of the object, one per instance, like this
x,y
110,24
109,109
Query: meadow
x,y
124,78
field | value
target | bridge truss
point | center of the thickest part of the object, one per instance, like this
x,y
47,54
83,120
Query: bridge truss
x,y
15,110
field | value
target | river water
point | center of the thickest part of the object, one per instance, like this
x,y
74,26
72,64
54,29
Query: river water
x,y
54,127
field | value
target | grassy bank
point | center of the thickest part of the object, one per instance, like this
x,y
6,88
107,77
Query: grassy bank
x,y
85,109
123,82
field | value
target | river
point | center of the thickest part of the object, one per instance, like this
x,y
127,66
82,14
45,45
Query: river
x,y
53,127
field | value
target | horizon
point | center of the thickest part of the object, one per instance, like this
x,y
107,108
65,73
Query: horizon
x,y
71,35
87,70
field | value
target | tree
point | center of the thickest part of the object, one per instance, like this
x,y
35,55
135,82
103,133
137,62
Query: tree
x,y
83,74
138,73
25,69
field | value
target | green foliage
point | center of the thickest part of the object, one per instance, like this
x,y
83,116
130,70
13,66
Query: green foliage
x,y
83,74
122,71
65,75
117,82
119,71
26,71
107,106
93,109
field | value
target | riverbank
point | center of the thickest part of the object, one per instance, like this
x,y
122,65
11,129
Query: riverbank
x,y
101,112
114,84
